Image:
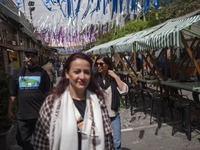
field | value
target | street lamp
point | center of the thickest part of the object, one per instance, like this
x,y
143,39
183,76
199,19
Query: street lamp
x,y
31,8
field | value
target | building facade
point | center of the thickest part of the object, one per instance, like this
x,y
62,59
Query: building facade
x,y
16,36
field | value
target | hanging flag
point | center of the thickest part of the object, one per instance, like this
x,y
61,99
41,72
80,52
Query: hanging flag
x,y
114,7
3,2
77,7
87,10
18,3
47,4
156,4
127,5
120,6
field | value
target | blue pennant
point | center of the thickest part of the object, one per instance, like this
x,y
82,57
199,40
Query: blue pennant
x,y
48,5
147,6
156,4
128,3
18,3
104,7
97,7
72,10
120,6
56,1
77,7
114,7
87,10
3,2
68,3
132,5
69,8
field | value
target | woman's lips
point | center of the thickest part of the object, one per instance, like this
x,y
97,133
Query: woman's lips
x,y
81,82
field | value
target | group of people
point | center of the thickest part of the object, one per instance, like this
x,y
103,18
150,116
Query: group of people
x,y
81,112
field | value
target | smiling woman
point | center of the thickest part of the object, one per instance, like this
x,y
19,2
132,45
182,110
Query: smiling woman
x,y
79,77
74,107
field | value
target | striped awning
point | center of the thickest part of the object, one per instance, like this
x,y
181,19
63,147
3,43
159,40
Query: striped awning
x,y
127,44
169,34
94,50
106,47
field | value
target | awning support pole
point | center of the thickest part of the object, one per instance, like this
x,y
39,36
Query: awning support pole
x,y
190,53
126,68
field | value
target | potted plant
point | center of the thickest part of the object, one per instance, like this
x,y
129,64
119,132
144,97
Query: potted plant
x,y
5,125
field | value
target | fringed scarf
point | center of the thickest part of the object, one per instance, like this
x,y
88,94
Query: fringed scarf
x,y
63,128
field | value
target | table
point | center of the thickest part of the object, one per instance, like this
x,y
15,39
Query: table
x,y
144,79
189,86
125,72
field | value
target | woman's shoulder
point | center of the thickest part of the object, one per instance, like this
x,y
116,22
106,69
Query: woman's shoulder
x,y
98,97
49,101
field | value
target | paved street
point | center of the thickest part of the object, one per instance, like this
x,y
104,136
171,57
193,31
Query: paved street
x,y
139,134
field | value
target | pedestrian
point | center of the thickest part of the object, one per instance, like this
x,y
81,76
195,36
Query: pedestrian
x,y
51,71
112,86
64,60
74,116
29,85
57,66
11,68
138,63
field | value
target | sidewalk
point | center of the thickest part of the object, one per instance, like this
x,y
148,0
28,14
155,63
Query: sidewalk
x,y
139,134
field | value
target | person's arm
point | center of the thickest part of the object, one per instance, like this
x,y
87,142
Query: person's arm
x,y
11,116
45,81
119,82
13,92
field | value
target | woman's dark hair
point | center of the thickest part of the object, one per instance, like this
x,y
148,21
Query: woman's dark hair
x,y
106,59
64,82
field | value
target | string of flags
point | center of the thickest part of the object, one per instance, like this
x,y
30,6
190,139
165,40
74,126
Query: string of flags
x,y
79,21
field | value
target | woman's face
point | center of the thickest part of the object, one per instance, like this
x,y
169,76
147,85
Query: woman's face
x,y
79,75
101,66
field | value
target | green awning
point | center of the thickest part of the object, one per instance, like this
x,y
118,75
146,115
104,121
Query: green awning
x,y
164,35
127,44
105,48
170,34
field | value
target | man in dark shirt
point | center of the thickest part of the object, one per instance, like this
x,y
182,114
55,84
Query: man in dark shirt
x,y
29,84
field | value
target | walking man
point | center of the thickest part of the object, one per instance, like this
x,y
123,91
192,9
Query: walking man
x,y
29,85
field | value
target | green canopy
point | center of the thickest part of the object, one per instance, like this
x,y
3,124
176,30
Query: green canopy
x,y
163,35
127,44
105,48
170,34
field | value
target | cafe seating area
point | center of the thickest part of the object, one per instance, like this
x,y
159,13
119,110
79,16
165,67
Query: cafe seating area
x,y
170,63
